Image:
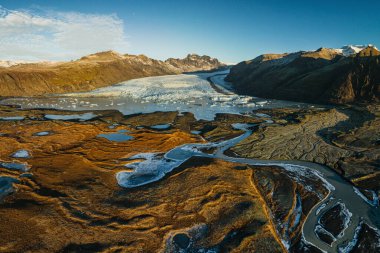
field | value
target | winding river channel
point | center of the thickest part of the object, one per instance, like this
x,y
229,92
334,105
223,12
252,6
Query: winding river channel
x,y
340,191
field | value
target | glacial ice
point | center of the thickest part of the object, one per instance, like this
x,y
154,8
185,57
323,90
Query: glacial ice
x,y
12,118
15,166
81,117
21,154
44,133
152,168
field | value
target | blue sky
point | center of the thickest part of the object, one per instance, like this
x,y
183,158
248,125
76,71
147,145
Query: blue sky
x,y
229,30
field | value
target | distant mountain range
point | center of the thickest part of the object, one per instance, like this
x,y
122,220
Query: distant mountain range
x,y
91,72
346,75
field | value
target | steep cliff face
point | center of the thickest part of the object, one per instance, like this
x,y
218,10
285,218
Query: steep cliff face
x,y
321,76
90,72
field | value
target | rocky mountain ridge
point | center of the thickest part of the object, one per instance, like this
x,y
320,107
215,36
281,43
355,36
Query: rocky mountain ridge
x,y
91,72
321,76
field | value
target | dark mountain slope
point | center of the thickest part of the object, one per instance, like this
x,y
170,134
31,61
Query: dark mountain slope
x,y
322,76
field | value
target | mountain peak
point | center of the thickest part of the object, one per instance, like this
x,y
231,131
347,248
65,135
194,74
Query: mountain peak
x,y
194,61
105,55
324,53
194,56
370,50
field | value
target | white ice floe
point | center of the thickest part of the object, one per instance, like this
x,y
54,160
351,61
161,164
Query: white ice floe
x,y
152,168
21,154
44,133
81,117
12,118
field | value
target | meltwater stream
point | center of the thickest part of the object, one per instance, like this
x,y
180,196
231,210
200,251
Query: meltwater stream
x,y
154,168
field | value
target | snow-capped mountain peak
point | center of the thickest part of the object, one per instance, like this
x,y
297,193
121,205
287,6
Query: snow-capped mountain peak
x,y
352,49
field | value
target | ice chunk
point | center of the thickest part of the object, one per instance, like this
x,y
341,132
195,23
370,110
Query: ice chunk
x,y
81,117
13,118
153,168
15,166
44,133
21,154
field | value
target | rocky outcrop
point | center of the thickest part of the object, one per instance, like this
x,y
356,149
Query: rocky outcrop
x,y
92,71
194,62
321,76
